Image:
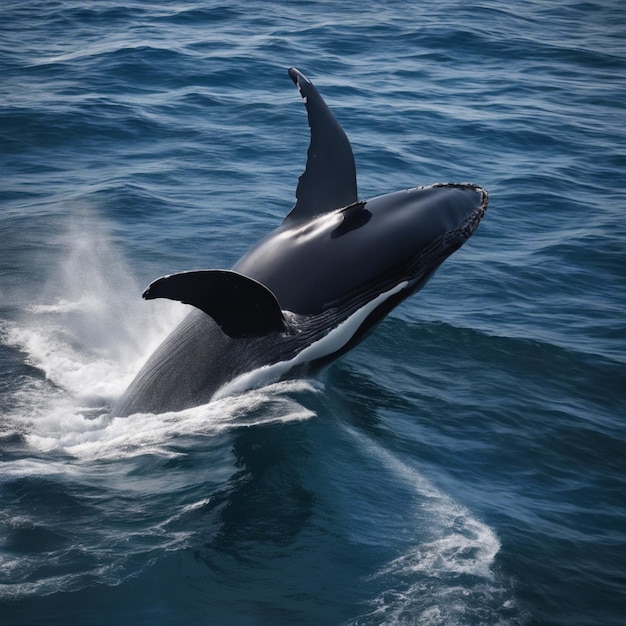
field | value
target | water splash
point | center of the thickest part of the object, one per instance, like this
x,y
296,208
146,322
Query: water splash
x,y
89,331
104,437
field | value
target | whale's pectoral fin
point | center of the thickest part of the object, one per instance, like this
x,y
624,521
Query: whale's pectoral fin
x,y
329,180
241,306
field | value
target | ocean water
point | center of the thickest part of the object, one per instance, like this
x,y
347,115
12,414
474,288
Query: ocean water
x,y
464,465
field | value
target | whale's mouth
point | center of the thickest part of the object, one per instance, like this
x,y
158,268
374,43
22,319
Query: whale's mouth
x,y
442,247
466,229
422,266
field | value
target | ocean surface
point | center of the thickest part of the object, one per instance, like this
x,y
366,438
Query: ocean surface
x,y
465,465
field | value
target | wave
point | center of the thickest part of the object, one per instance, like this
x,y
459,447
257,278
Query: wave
x,y
447,571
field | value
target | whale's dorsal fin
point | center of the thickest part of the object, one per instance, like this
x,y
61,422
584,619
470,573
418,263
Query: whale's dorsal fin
x,y
241,307
329,180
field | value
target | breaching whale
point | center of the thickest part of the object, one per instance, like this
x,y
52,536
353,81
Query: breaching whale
x,y
310,290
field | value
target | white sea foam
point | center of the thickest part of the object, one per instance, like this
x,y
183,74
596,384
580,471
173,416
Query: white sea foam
x,y
52,419
445,567
89,331
105,437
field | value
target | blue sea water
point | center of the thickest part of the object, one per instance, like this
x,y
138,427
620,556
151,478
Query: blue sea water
x,y
465,465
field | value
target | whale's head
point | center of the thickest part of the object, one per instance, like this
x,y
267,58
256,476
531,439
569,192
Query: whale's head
x,y
367,247
421,227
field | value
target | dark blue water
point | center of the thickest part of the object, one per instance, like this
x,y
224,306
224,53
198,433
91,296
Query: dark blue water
x,y
464,465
